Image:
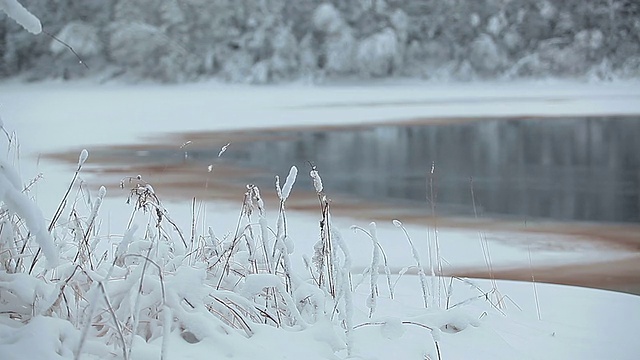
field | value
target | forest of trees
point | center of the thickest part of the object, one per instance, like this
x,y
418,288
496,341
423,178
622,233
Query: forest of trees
x,y
262,41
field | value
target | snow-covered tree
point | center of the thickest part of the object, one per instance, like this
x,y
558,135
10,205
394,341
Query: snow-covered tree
x,y
338,41
486,56
275,40
146,51
379,54
284,61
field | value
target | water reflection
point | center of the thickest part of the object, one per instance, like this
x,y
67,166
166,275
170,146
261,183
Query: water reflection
x,y
565,168
557,168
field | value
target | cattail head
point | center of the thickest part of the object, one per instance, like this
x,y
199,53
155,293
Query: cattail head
x,y
253,201
317,181
84,154
288,184
102,192
278,189
258,200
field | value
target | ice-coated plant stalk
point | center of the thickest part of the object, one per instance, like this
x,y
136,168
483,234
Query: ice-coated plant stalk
x,y
484,244
116,323
373,269
327,245
435,259
167,319
283,194
416,257
92,218
323,254
84,155
375,264
253,201
344,289
533,281
214,240
91,307
282,247
124,244
385,260
264,234
193,228
136,305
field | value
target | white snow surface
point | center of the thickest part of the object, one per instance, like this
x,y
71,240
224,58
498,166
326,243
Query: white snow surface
x,y
118,114
575,323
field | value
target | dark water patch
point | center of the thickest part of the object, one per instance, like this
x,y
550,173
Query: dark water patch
x,y
553,168
559,168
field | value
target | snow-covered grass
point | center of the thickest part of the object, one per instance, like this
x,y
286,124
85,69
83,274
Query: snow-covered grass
x,y
234,284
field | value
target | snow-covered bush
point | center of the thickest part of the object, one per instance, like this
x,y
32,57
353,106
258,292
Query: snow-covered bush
x,y
292,38
339,53
337,41
327,19
497,23
400,22
379,54
425,60
146,51
630,68
284,61
486,56
238,67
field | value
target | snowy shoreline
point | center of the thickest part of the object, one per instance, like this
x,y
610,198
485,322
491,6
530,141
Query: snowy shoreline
x,y
294,107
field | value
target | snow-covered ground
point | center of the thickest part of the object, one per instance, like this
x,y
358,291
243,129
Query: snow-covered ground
x,y
116,114
574,323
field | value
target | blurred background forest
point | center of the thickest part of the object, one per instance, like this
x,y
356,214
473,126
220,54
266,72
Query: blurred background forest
x,y
265,41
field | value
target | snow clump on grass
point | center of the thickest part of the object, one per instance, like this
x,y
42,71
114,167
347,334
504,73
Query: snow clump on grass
x,y
21,15
15,201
